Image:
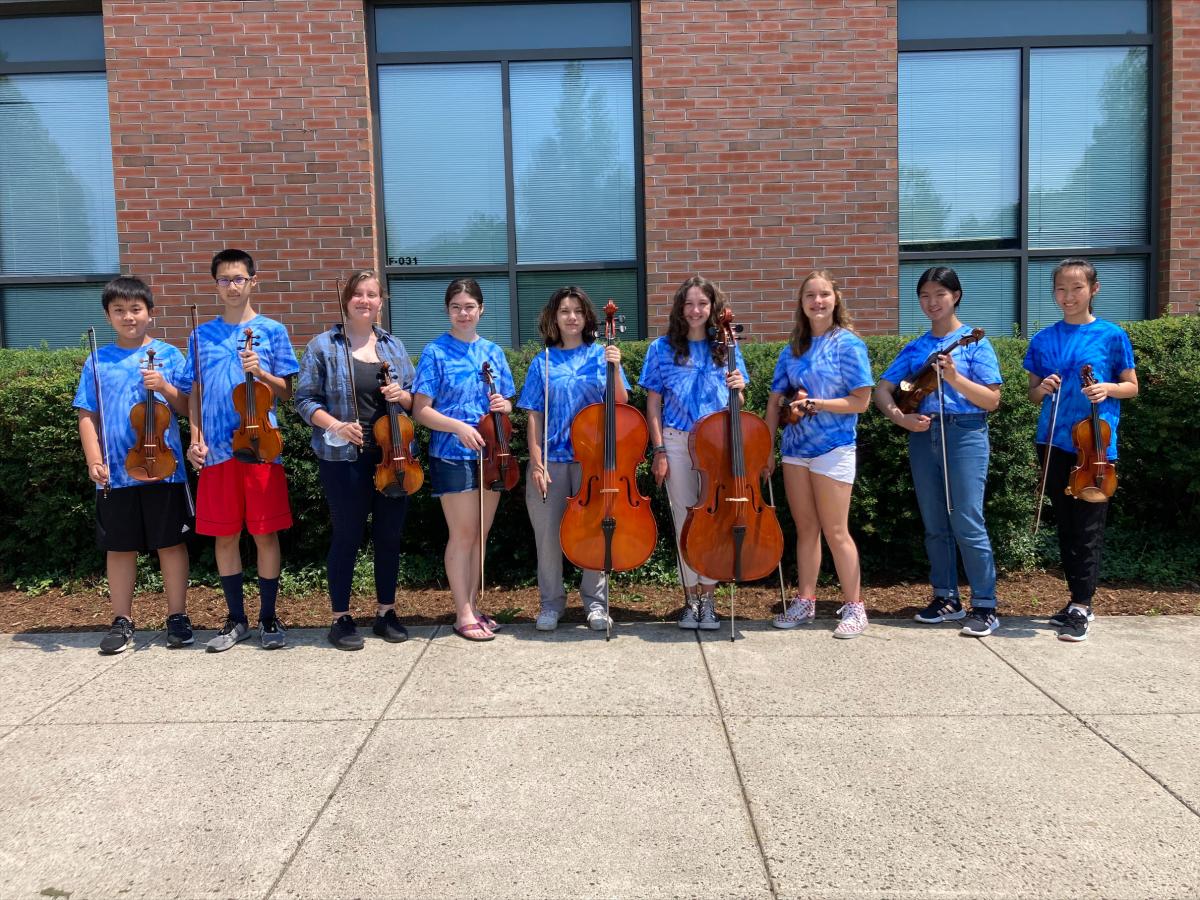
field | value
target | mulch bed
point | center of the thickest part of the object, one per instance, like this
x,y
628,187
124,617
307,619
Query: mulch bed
x,y
1028,594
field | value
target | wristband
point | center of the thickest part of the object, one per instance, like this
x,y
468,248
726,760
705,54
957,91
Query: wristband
x,y
661,448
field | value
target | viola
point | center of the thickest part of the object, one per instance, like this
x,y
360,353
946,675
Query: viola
x,y
732,533
399,473
910,393
1093,477
791,415
150,459
500,470
608,525
255,440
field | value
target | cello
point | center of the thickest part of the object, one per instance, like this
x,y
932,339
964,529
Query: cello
x,y
399,473
608,525
1093,477
732,533
150,459
255,440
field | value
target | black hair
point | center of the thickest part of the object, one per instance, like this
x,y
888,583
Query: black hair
x,y
232,257
943,275
464,286
548,320
1075,262
124,287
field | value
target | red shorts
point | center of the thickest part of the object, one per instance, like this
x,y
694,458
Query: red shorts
x,y
234,493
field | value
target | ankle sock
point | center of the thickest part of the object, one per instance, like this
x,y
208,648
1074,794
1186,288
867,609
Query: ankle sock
x,y
231,586
268,590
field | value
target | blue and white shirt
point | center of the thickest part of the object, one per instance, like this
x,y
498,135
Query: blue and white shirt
x,y
450,372
578,377
834,366
692,390
218,344
1063,350
976,362
324,383
122,388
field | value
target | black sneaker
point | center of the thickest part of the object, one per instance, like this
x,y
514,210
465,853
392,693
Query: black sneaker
x,y
344,635
980,622
1075,629
179,630
389,628
119,637
1063,616
941,609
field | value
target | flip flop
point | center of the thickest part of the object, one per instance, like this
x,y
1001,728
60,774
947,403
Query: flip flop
x,y
488,622
475,631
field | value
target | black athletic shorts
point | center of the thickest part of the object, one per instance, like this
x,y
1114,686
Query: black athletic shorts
x,y
143,518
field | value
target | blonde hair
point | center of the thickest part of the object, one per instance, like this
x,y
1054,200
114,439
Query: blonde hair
x,y
801,338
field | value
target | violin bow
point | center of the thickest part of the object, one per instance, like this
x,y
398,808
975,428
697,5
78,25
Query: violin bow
x,y
197,382
942,432
1037,522
349,357
546,425
91,333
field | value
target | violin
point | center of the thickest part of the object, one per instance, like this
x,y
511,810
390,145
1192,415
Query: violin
x,y
910,393
1093,477
608,525
500,470
255,440
150,459
791,415
732,533
399,473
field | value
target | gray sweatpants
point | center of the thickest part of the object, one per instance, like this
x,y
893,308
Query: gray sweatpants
x,y
545,518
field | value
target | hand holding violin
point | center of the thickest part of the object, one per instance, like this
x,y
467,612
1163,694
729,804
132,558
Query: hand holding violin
x,y
914,422
394,393
1097,391
250,363
612,354
154,381
735,380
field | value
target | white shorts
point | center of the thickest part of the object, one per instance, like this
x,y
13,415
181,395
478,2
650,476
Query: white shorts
x,y
838,464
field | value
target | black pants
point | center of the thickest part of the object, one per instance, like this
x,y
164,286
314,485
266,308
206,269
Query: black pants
x,y
1080,528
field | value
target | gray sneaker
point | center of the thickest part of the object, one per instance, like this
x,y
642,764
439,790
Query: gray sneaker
x,y
272,634
547,619
231,632
708,620
691,615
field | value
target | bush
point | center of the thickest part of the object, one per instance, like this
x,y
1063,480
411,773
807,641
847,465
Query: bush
x,y
46,500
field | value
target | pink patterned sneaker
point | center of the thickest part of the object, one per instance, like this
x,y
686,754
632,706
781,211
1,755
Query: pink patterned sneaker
x,y
854,620
800,610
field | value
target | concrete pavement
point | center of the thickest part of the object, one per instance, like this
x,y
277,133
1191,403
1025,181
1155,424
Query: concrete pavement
x,y
910,762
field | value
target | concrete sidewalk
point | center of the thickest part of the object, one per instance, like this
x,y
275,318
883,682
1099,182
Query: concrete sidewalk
x,y
910,762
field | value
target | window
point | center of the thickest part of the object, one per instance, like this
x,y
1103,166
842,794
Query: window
x,y
507,136
1024,140
58,226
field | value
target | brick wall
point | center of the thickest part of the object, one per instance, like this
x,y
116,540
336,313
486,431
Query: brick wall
x,y
1179,175
242,123
770,149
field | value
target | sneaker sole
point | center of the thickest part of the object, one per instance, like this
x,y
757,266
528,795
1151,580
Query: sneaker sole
x,y
598,626
709,626
1073,638
121,649
176,643
390,639
273,645
540,627
341,646
688,627
949,617
966,632
846,637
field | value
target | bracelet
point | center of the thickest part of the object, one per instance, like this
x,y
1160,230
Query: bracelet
x,y
661,448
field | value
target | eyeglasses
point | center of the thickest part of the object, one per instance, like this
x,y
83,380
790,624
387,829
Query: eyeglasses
x,y
240,280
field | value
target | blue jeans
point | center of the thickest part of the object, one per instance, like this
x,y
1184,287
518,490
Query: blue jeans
x,y
967,451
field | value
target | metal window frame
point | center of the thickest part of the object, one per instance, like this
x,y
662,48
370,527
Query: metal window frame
x,y
512,268
25,9
1023,253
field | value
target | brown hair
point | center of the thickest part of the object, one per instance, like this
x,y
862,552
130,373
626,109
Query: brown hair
x,y
677,326
801,338
355,280
548,321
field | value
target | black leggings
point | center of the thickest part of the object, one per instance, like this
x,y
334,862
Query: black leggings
x,y
350,491
1080,528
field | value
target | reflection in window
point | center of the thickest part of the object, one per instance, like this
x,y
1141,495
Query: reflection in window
x,y
1089,168
926,19
442,147
989,299
57,315
57,205
959,146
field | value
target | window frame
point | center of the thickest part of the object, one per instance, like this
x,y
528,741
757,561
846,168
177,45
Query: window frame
x,y
1023,253
512,269
52,67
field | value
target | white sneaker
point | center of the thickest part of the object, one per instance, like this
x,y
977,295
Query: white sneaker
x,y
691,615
598,619
547,619
854,620
800,611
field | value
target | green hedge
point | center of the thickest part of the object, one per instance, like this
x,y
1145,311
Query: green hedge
x,y
46,527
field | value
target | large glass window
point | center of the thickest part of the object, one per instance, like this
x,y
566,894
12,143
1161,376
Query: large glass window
x,y
1017,151
508,147
58,231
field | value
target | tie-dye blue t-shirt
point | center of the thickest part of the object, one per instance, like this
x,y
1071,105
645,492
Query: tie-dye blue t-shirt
x,y
976,362
692,390
577,377
450,372
221,370
1063,350
122,388
834,366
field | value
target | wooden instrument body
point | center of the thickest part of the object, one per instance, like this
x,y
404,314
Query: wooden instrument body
x,y
1093,478
399,473
501,472
255,440
150,459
